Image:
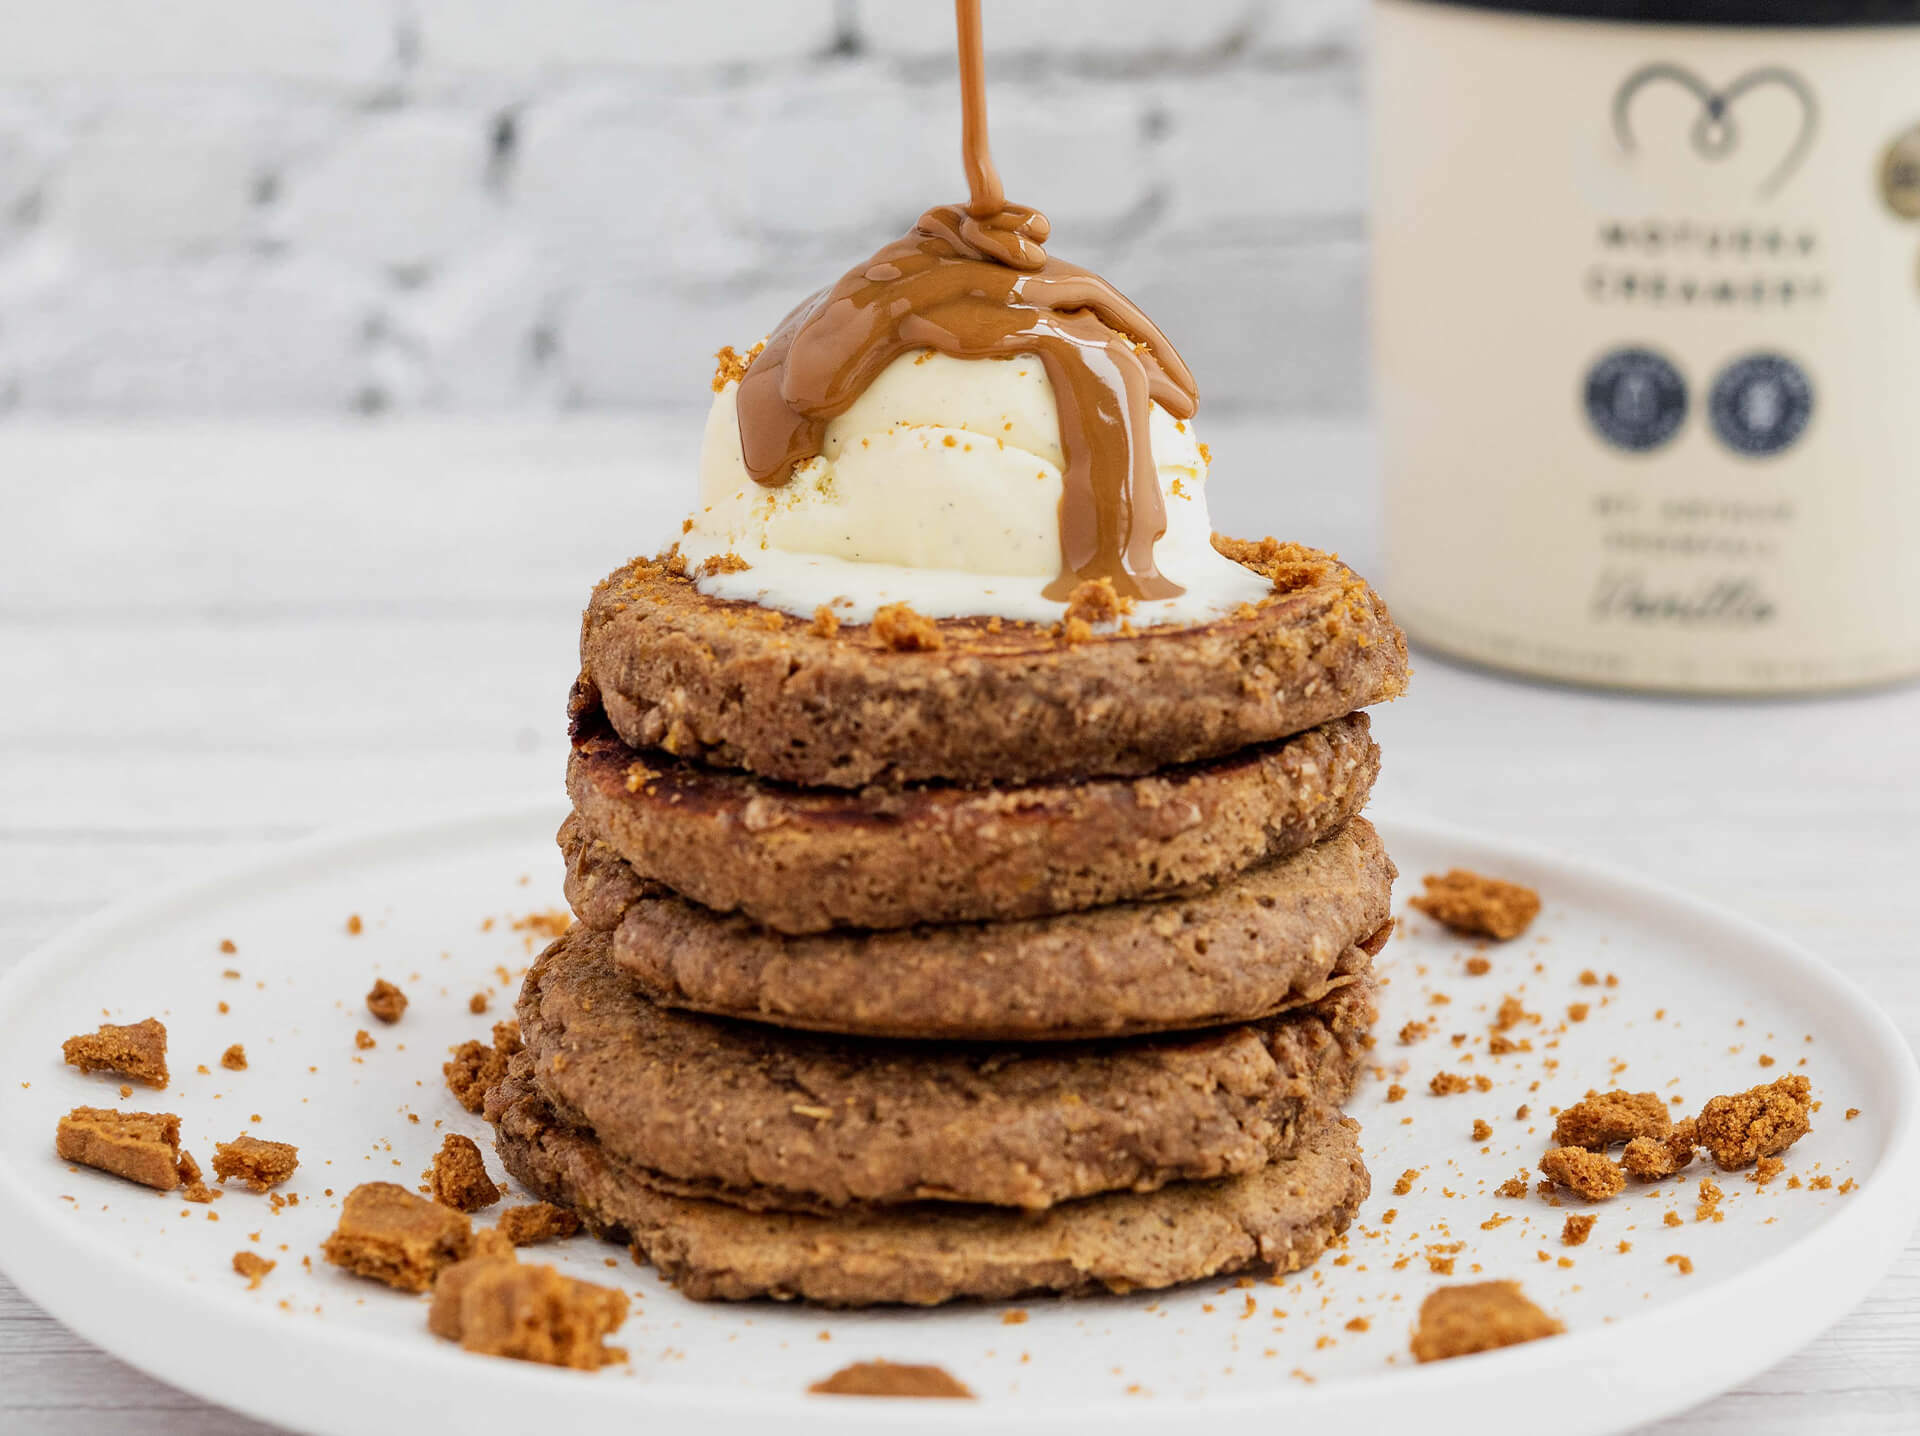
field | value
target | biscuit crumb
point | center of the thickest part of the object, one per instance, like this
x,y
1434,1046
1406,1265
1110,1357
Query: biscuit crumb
x,y
718,563
730,366
1514,1187
1708,1207
1579,1226
1648,1159
1478,967
253,1267
388,1234
475,1066
493,1306
386,1001
460,1177
538,1222
258,1163
1483,1316
1605,1119
1447,1084
1589,1174
1479,906
1096,601
886,1378
1481,1129
1414,1032
354,925
1406,1181
137,1050
826,623
363,1039
1395,1092
1685,1264
899,628
234,1059
477,1003
141,1147
1767,1170
1740,1129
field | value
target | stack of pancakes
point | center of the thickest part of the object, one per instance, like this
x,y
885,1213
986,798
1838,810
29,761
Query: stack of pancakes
x,y
967,959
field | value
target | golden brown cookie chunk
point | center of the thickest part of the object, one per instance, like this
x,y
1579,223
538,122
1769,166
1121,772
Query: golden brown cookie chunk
x,y
529,1313
807,860
475,1066
1588,1173
772,1119
137,1050
1460,1320
234,1059
143,1147
257,1163
386,1001
1478,906
1740,1129
887,1378
253,1267
1264,941
460,1177
390,1235
1648,1159
1276,1219
537,1222
1606,1119
991,702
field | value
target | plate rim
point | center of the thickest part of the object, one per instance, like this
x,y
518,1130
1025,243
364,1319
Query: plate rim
x,y
1852,1251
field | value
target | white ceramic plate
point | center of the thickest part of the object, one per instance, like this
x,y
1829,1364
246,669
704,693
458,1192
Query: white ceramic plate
x,y
1700,995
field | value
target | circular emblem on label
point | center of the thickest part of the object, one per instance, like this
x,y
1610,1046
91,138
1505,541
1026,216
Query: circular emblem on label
x,y
1636,399
1760,404
1900,175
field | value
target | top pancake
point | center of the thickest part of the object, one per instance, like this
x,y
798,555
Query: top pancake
x,y
737,685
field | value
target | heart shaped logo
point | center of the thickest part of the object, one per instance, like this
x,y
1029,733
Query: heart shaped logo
x,y
1715,133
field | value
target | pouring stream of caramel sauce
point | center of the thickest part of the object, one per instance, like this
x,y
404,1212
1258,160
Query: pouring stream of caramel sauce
x,y
976,282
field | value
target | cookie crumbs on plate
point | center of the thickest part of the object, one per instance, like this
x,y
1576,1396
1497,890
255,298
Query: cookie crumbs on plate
x,y
1414,1032
899,628
1478,967
388,1234
1589,1174
354,925
1649,1159
386,1001
493,1306
460,1177
477,1003
260,1164
234,1059
1016,1317
1579,1226
475,1066
1482,1316
538,1222
1674,1219
1514,1187
137,1050
1708,1207
1740,1129
1406,1181
363,1039
1767,1169
253,1267
141,1147
1481,1129
1478,906
887,1378
1577,1011
1447,1084
1685,1264
1395,1092
1604,1119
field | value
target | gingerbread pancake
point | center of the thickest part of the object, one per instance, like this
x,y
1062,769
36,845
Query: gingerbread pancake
x,y
979,701
1275,1219
770,1119
804,860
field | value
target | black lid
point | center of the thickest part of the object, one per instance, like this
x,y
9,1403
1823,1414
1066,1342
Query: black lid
x,y
1714,12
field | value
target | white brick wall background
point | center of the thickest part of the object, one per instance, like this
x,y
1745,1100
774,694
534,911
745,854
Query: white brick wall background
x,y
259,206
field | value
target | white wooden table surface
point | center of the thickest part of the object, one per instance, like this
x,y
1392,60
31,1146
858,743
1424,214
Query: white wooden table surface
x,y
214,639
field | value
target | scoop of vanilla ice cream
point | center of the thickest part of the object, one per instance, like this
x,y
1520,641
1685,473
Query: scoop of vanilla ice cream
x,y
939,487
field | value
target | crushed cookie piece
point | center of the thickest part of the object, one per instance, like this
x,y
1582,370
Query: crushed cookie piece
x,y
477,1003
1513,1187
718,563
1511,1014
826,623
1605,1119
390,1235
253,1267
1579,1226
538,1222
1740,1129
1395,1092
354,925
898,628
730,366
1478,967
1406,1181
1685,1264
493,1306
258,1163
1414,1032
1481,1129
1589,1174
1097,601
1649,1159
460,1177
141,1147
363,1039
887,1378
1577,1011
475,1066
1479,906
386,1001
1710,1196
234,1059
1447,1084
137,1050
1674,1219
1767,1169
228,946
1852,1112
1483,1316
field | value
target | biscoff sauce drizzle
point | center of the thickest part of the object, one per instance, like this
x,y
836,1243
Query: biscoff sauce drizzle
x,y
976,282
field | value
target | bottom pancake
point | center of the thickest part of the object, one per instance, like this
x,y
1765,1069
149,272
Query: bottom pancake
x,y
1276,1219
